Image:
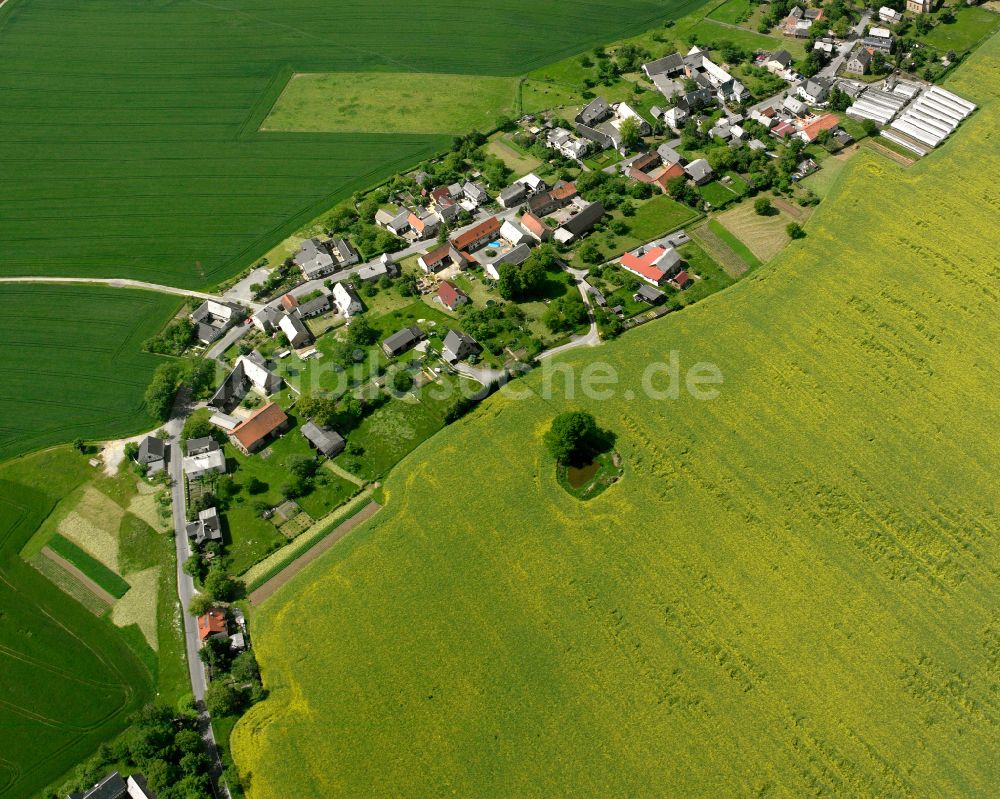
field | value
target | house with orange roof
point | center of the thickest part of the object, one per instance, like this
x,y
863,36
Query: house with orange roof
x,y
811,130
477,236
212,625
536,227
655,265
259,428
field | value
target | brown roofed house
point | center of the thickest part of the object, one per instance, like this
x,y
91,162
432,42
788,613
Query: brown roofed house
x,y
259,428
476,237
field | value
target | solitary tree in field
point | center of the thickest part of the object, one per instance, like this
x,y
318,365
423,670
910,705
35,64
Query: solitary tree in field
x,y
795,230
762,206
573,438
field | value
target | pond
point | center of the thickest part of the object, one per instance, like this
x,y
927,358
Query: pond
x,y
581,475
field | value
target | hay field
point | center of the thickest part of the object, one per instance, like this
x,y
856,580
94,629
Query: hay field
x,y
72,361
129,133
391,102
791,592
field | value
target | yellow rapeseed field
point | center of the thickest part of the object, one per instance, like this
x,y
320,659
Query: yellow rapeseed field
x,y
792,592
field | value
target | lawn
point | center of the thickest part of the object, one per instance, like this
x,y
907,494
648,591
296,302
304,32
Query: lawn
x,y
971,26
70,678
791,591
519,163
732,11
710,33
149,159
249,538
717,194
760,237
391,102
73,362
652,219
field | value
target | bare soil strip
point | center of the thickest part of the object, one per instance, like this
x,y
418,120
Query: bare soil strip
x,y
307,557
91,586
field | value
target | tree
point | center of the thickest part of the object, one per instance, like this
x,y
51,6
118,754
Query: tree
x,y
255,486
402,381
572,438
795,230
197,426
131,450
869,127
79,445
507,282
630,133
361,333
590,253
923,24
220,585
159,395
302,466
222,698
201,378
763,206
200,604
244,668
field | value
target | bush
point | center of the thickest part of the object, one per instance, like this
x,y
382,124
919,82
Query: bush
x,y
162,388
402,381
795,230
223,699
763,206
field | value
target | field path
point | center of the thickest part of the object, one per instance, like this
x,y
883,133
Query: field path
x,y
341,472
93,587
120,283
307,557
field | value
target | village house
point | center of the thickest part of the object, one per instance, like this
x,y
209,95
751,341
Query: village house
x,y
778,62
919,6
323,440
200,464
477,236
450,296
295,331
815,90
317,306
535,227
250,371
207,527
213,624
670,65
152,454
515,257
889,15
565,143
267,318
346,299
513,195
458,346
699,171
655,265
314,259
375,271
514,234
403,341
439,258
859,61
796,106
114,786
878,42
811,130
424,226
213,318
258,429
475,194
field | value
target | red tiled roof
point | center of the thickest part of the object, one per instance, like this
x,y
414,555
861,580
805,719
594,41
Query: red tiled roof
x,y
662,176
782,129
289,301
450,295
486,228
259,425
211,623
416,222
814,128
645,264
534,225
563,191
682,278
639,175
436,256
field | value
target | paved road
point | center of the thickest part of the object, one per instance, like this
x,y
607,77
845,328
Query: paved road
x,y
119,283
232,335
186,589
589,339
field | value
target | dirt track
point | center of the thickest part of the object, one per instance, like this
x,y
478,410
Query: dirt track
x,y
91,586
307,557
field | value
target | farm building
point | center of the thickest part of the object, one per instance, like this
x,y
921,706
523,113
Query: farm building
x,y
929,120
536,227
316,306
514,256
877,105
699,171
648,294
580,223
403,340
315,259
323,440
654,264
297,333
477,236
347,300
259,428
438,259
213,318
249,372
115,787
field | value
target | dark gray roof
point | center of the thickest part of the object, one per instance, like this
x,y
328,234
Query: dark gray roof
x,y
513,193
596,110
151,449
326,441
111,787
348,255
667,64
315,306
649,293
205,443
460,344
404,339
584,220
783,57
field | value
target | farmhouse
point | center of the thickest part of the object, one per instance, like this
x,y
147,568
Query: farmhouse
x,y
450,296
778,62
513,195
647,293
346,299
259,428
882,43
375,271
152,454
114,787
249,371
266,319
812,129
207,527
297,333
514,256
314,259
477,236
890,15
402,341
655,265
316,306
670,65
323,440
213,318
438,259
815,90
424,225
565,143
458,346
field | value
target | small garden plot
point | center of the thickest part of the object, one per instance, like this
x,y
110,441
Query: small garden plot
x,y
735,244
297,525
603,159
707,276
138,605
717,194
762,236
90,566
653,218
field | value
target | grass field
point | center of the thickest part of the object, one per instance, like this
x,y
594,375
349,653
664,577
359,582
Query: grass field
x,y
131,130
970,27
69,678
90,566
791,592
73,362
391,102
737,246
652,218
519,163
732,11
762,236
